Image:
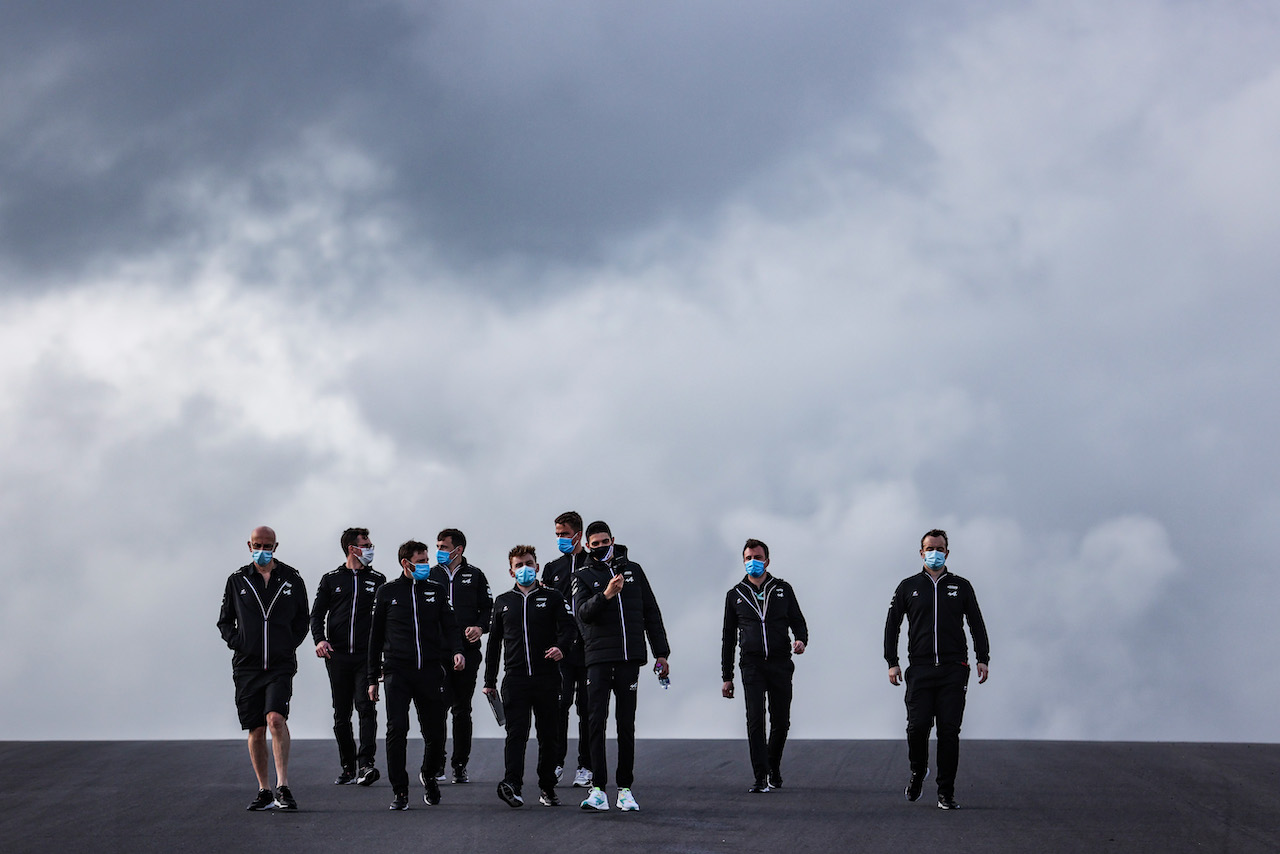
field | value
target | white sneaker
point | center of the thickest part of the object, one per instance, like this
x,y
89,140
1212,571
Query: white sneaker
x,y
559,772
596,801
626,803
582,779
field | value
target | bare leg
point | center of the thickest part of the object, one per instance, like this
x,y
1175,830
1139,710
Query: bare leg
x,y
258,754
280,746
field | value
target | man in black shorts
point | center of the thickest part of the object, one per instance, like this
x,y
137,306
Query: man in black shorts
x,y
263,620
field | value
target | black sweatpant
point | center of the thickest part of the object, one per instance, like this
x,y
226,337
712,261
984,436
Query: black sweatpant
x,y
767,679
573,692
621,679
459,690
349,683
936,692
539,695
425,689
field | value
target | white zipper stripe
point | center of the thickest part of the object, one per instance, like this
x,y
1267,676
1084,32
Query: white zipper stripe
x,y
622,620
524,618
417,637
266,616
355,594
761,612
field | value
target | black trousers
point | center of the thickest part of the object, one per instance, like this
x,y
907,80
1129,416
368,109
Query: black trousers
x,y
620,679
539,695
349,682
573,692
423,688
767,679
936,692
460,688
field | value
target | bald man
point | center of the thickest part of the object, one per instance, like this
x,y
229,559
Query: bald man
x,y
264,619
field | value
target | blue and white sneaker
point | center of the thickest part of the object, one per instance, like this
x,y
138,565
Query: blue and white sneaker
x,y
582,779
626,803
596,800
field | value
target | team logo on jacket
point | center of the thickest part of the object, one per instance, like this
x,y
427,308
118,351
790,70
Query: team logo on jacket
x,y
542,603
337,590
466,581
286,590
952,591
244,592
779,593
915,593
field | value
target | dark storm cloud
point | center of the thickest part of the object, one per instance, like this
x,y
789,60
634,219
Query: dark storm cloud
x,y
541,132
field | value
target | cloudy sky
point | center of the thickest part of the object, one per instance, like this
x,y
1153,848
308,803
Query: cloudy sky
x,y
826,274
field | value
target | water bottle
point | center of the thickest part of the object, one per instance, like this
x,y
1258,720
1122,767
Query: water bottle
x,y
664,681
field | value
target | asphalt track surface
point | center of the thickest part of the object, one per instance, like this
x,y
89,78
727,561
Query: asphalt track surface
x,y
838,796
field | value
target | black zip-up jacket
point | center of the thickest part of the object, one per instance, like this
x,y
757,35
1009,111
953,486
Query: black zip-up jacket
x,y
468,592
343,609
559,575
614,630
757,621
524,627
412,627
935,615
264,621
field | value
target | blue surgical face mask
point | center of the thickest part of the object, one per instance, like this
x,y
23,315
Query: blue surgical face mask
x,y
564,544
421,571
526,575
935,559
366,555
443,557
262,557
755,568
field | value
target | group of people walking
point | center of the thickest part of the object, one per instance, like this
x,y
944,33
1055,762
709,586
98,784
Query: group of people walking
x,y
573,636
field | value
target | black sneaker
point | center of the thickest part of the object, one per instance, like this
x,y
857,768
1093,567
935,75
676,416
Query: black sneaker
x,y
548,798
947,802
460,775
368,776
401,801
508,793
284,799
759,787
775,779
915,784
432,796
264,801
347,777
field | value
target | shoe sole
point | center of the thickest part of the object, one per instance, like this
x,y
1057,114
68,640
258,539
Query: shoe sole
x,y
587,805
547,803
395,808
269,806
370,778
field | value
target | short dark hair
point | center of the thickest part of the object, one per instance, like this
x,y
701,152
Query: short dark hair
x,y
936,532
755,544
411,548
455,536
350,536
598,527
521,551
571,518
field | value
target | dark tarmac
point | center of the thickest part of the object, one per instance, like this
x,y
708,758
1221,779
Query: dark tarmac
x,y
838,796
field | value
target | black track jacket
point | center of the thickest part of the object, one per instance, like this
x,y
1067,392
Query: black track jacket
x,y
614,630
413,627
559,575
343,609
935,621
524,627
264,621
758,622
468,593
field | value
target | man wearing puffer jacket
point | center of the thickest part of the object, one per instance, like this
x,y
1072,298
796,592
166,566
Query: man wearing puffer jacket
x,y
616,609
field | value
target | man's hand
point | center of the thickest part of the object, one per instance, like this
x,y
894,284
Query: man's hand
x,y
373,693
487,691
895,674
323,649
459,662
798,647
726,690
554,654
615,586
982,673
472,633
664,669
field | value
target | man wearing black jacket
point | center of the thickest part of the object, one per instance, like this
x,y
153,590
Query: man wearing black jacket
x,y
340,627
616,609
412,636
264,619
573,667
472,603
532,626
760,612
936,604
